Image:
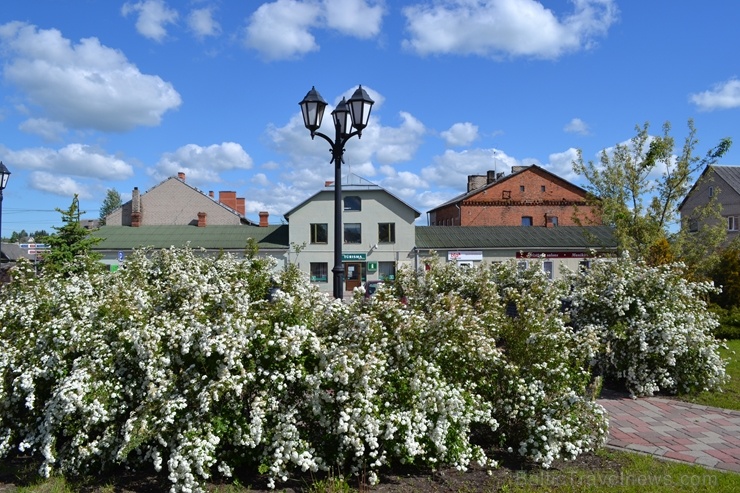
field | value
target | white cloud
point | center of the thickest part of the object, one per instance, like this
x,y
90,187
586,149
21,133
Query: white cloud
x,y
722,96
460,134
202,23
74,159
202,164
354,17
86,85
58,185
49,130
577,126
282,29
497,28
561,164
153,16
451,169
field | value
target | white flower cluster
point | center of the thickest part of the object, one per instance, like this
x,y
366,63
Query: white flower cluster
x,y
180,362
654,328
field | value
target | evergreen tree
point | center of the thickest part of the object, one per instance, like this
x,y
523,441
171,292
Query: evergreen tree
x,y
71,245
112,202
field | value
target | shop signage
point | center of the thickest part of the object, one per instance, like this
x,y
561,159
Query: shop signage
x,y
349,257
464,255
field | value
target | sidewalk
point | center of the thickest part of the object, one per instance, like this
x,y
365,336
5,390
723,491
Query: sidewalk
x,y
674,430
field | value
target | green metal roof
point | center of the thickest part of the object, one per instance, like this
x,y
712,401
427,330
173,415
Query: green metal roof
x,y
232,237
529,237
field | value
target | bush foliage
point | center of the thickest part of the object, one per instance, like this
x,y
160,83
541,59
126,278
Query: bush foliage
x,y
179,362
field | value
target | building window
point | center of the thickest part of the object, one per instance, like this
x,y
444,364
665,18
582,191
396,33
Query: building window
x,y
542,188
731,223
521,188
320,233
526,220
352,203
584,264
711,191
353,233
523,265
693,225
386,232
547,266
387,271
553,220
319,272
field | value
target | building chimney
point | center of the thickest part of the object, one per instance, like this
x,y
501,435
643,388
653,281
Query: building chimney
x,y
475,182
228,199
490,176
264,215
210,193
328,184
181,175
135,208
241,206
201,219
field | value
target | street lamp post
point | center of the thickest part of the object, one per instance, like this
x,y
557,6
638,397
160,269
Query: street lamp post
x,y
358,109
4,175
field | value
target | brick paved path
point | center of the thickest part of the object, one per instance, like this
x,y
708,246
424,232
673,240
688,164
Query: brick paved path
x,y
674,430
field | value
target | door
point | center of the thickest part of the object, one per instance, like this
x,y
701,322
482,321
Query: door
x,y
352,275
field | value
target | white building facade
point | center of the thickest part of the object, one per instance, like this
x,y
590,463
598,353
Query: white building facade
x,y
378,234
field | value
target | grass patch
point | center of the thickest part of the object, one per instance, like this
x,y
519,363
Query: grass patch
x,y
729,398
633,473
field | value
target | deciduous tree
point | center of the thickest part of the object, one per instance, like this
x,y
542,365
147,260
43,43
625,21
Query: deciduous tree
x,y
112,202
641,183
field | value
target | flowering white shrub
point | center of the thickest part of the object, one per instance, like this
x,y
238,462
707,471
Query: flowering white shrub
x,y
179,362
653,324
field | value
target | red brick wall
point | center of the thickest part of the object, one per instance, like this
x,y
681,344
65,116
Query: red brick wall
x,y
522,194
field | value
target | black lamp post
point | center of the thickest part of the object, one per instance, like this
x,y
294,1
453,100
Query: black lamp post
x,y
358,108
4,175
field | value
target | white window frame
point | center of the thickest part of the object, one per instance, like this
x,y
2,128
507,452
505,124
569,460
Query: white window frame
x,y
732,223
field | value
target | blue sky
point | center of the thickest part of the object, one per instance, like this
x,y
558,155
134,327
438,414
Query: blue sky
x,y
100,94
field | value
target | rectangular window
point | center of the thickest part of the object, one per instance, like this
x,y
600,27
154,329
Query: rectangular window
x,y
521,188
547,267
584,264
523,265
553,220
711,191
693,225
387,271
352,203
386,232
353,233
731,223
319,272
526,220
320,233
542,188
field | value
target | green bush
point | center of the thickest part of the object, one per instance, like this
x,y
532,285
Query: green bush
x,y
179,361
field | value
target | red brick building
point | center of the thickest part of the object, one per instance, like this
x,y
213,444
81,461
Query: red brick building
x,y
529,196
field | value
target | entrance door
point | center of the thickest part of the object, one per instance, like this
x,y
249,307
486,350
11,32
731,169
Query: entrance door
x,y
352,275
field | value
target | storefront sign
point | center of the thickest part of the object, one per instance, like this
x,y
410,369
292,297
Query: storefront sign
x,y
552,255
465,255
349,257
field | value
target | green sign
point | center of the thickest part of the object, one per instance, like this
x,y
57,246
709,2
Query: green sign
x,y
348,257
372,266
